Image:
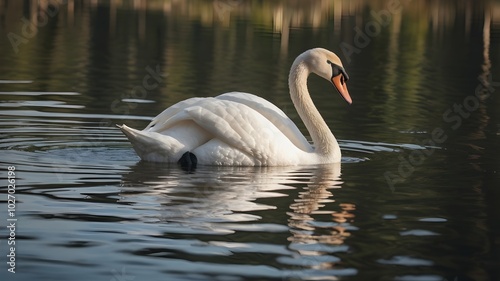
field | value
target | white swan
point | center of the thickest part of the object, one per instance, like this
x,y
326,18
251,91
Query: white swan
x,y
240,129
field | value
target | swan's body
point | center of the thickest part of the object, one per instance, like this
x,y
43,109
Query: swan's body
x,y
240,129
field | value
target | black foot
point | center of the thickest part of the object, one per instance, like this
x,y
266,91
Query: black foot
x,y
188,162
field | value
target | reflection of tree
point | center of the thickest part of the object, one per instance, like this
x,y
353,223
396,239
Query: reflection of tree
x,y
275,16
208,47
223,8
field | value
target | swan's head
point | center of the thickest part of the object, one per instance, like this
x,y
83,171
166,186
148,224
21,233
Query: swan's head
x,y
326,64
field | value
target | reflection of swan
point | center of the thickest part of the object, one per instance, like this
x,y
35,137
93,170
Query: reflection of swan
x,y
316,238
310,202
239,129
222,194
239,200
211,195
208,197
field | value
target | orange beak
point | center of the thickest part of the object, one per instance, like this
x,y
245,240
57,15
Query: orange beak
x,y
339,83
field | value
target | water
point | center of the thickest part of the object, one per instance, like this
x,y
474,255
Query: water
x,y
415,198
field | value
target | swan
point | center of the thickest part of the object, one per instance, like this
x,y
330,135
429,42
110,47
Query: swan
x,y
241,129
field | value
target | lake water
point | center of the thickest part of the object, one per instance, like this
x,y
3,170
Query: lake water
x,y
416,196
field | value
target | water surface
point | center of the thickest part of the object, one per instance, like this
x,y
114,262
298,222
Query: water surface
x,y
415,197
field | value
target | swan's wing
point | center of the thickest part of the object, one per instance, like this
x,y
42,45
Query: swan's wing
x,y
241,127
160,122
236,125
273,114
233,123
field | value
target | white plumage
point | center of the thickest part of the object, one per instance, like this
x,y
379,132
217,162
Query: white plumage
x,y
241,129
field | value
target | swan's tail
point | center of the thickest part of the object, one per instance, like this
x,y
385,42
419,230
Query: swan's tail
x,y
131,133
150,146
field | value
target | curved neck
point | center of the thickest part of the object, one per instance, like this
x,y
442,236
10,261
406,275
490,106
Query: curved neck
x,y
323,139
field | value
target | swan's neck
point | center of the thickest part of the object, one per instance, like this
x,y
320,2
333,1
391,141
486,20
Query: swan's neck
x,y
324,142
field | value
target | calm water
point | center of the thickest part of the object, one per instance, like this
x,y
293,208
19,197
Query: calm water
x,y
416,196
